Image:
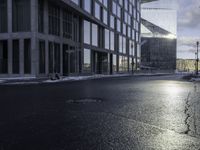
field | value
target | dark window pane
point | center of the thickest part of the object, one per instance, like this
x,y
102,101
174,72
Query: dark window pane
x,y
21,15
42,57
41,16
54,20
15,62
27,56
3,57
51,57
57,57
3,16
67,24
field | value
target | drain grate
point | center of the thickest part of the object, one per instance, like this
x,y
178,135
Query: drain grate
x,y
84,100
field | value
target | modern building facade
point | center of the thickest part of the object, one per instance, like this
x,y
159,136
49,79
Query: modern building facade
x,y
68,37
158,36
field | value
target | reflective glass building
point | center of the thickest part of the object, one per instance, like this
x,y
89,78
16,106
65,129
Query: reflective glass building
x,y
68,37
159,33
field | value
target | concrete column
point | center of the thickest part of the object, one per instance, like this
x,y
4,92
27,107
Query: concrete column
x,y
9,10
61,43
21,57
34,29
46,57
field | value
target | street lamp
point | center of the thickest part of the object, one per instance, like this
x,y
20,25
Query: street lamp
x,y
197,60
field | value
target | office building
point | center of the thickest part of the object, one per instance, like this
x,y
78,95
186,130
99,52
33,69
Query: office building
x,y
68,37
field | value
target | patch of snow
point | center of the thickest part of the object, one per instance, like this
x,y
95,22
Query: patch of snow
x,y
195,79
21,83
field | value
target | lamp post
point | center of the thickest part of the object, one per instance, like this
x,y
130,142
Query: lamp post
x,y
197,71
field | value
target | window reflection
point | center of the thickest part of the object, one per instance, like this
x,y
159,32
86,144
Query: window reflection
x,y
87,60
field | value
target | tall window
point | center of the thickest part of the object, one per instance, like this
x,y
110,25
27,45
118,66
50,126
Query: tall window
x,y
21,15
87,60
112,41
105,16
94,35
27,56
87,5
67,25
3,16
86,32
41,16
54,20
42,56
107,39
97,11
114,63
54,57
3,57
15,56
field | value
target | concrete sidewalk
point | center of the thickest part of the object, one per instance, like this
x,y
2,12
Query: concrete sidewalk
x,y
33,80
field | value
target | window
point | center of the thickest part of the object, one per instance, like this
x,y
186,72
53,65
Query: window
x,y
87,5
124,28
3,16
86,32
97,11
107,39
41,16
15,56
105,16
124,45
123,64
119,11
54,20
114,63
54,57
41,56
87,60
120,44
112,41
112,21
67,25
21,15
3,57
27,56
118,25
114,8
105,3
94,35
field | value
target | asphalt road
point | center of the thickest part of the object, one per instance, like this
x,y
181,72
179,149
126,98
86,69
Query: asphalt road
x,y
125,113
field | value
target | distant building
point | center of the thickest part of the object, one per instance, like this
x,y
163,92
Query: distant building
x,y
186,65
68,37
158,39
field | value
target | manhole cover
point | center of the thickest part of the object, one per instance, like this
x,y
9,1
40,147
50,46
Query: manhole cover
x,y
84,100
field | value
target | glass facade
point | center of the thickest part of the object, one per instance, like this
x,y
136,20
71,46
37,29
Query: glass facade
x,y
21,15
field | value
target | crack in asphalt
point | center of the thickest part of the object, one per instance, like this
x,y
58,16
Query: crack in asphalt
x,y
187,113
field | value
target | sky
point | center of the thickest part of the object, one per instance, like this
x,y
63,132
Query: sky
x,y
188,24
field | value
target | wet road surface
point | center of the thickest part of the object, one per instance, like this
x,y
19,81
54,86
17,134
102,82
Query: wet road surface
x,y
105,114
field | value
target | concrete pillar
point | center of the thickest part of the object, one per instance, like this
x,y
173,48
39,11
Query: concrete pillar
x,y
9,10
21,57
46,57
34,29
61,43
